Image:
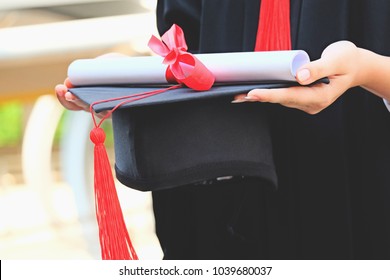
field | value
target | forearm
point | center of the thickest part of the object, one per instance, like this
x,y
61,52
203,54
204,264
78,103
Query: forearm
x,y
375,73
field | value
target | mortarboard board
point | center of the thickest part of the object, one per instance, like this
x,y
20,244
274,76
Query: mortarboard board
x,y
165,135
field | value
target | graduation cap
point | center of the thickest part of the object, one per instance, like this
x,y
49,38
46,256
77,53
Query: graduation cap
x,y
177,136
169,135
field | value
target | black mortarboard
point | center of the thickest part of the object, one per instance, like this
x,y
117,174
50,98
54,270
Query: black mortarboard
x,y
182,136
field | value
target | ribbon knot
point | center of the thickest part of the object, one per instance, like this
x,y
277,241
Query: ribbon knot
x,y
183,67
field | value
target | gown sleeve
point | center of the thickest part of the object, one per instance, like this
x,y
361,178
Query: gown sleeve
x,y
387,103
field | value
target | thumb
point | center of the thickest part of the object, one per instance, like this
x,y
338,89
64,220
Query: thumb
x,y
314,71
68,83
336,59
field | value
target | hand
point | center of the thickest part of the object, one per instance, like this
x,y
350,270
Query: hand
x,y
339,62
67,99
70,101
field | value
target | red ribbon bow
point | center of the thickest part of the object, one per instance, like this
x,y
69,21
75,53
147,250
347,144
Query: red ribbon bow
x,y
183,67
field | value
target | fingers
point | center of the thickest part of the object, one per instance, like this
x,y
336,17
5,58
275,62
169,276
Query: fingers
x,y
310,99
76,101
71,102
68,100
240,98
306,99
60,90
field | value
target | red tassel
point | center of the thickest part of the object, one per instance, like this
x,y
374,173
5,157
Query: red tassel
x,y
273,31
114,239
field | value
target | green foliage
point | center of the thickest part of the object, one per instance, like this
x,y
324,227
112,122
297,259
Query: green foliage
x,y
11,124
60,129
107,126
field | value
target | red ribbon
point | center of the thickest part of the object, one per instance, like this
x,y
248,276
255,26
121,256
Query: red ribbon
x,y
183,67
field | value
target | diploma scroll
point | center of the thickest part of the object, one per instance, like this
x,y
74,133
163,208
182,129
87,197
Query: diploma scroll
x,y
273,66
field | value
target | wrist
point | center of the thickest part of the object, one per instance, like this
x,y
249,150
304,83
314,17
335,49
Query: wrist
x,y
364,67
374,73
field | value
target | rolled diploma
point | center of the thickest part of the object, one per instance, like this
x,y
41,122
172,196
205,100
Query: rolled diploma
x,y
226,67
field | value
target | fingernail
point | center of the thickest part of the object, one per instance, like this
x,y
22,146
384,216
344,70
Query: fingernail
x,y
69,97
238,101
250,98
303,75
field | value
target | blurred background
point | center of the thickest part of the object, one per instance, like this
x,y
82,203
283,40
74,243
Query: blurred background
x,y
46,184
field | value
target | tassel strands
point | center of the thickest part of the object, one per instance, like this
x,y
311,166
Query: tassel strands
x,y
273,31
114,238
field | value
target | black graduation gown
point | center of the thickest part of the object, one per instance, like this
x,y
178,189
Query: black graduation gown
x,y
333,200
